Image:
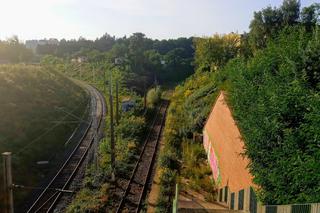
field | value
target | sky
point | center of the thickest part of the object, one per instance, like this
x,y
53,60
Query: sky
x,y
159,19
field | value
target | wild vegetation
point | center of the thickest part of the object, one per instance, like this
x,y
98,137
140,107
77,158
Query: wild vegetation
x,y
144,60
98,186
12,51
154,97
96,194
275,99
271,78
190,104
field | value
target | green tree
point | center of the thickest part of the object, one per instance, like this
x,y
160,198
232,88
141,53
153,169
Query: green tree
x,y
13,51
290,12
310,16
269,21
214,52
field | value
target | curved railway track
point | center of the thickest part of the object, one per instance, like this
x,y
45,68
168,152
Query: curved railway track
x,y
135,190
50,196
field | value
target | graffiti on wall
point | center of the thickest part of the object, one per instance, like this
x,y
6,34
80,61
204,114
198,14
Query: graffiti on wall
x,y
206,141
212,157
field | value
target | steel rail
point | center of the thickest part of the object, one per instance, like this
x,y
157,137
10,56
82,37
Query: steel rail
x,y
148,139
83,156
57,195
152,160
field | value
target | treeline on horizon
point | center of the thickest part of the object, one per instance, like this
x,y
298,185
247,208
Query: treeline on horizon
x,y
147,60
271,76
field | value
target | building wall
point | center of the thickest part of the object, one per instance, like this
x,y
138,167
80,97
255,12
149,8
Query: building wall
x,y
223,143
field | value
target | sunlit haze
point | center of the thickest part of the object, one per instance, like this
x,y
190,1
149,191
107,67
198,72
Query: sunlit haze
x,y
35,19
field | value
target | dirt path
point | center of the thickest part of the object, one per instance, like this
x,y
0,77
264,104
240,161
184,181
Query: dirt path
x,y
189,199
155,188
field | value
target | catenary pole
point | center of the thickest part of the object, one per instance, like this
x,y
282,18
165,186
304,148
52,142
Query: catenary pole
x,y
8,193
117,102
112,130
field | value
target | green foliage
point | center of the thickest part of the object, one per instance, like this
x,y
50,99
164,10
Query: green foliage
x,y
275,98
310,16
130,132
34,125
268,22
214,52
142,60
131,126
12,51
91,201
196,173
167,192
170,160
190,105
311,64
153,96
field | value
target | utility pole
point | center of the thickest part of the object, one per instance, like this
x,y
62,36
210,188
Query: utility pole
x,y
7,176
117,102
112,130
95,142
104,82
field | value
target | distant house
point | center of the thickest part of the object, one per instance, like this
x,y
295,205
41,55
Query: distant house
x,y
224,145
33,44
79,59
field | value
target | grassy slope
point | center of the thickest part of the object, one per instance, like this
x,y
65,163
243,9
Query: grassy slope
x,y
29,96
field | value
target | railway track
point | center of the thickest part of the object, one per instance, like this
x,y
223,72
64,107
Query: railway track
x,y
135,190
58,186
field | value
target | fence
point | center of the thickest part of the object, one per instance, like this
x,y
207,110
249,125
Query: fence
x,y
246,201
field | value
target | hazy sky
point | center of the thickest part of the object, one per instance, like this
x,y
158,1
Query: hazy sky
x,y
35,19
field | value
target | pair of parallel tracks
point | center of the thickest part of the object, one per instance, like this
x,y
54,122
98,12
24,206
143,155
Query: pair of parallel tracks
x,y
49,198
135,191
139,181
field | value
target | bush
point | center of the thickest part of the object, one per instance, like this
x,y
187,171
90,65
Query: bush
x,y
153,97
87,201
190,105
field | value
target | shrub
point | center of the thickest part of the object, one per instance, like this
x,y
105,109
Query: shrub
x,y
86,201
153,97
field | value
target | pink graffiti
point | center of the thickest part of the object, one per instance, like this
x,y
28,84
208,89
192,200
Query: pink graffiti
x,y
212,158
